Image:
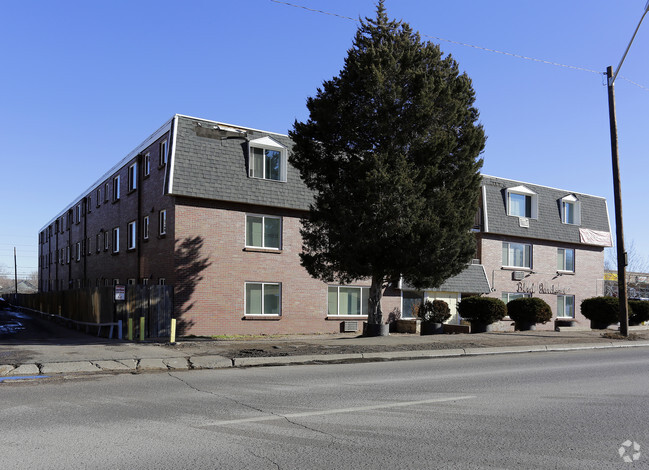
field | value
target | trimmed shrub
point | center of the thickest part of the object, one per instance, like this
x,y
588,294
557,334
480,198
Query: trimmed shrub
x,y
529,310
486,310
604,310
638,311
436,311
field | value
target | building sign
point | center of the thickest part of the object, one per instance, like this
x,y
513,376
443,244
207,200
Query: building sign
x,y
120,292
541,288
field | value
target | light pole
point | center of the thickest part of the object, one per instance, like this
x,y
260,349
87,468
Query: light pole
x,y
619,232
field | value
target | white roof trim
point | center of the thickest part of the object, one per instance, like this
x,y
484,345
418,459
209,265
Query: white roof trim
x,y
521,190
267,142
570,198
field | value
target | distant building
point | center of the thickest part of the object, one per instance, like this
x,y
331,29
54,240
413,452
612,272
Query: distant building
x,y
214,210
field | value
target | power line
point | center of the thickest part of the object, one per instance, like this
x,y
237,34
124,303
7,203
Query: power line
x,y
496,51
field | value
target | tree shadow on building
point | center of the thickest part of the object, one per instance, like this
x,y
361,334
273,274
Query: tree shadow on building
x,y
190,263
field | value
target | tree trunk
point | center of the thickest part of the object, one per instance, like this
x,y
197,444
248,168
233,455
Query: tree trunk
x,y
374,314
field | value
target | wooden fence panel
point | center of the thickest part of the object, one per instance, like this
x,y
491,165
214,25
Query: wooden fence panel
x,y
98,305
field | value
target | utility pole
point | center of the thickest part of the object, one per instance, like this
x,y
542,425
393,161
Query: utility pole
x,y
619,232
15,272
617,196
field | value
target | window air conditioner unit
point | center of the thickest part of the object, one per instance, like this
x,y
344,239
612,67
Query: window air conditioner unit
x,y
518,275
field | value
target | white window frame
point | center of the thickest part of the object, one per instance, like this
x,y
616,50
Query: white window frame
x,y
513,295
116,240
145,227
132,177
561,301
98,197
162,281
105,241
526,192
132,235
77,251
163,153
263,298
527,252
364,295
146,164
162,222
106,192
263,232
267,144
561,255
77,213
116,194
576,205
130,282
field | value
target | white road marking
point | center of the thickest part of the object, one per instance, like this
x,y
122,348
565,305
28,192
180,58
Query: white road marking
x,y
338,410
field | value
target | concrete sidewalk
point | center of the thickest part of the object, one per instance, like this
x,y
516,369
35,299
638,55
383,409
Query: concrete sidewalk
x,y
87,354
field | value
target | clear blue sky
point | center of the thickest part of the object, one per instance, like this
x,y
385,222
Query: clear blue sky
x,y
84,82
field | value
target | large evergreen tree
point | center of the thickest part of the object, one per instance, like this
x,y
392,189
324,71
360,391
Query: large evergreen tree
x,y
391,150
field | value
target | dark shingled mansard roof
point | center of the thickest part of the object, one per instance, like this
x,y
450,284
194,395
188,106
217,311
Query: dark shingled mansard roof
x,y
473,280
209,167
548,225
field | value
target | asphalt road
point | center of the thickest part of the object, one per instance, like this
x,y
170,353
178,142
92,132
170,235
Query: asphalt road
x,y
545,410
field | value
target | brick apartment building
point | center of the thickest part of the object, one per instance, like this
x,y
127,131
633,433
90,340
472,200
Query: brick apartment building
x,y
214,210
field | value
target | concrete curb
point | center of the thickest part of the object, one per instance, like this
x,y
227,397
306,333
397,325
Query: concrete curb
x,y
220,362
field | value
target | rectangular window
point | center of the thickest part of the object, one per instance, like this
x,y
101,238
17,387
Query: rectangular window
x,y
106,189
509,296
116,188
520,205
566,259
263,298
106,282
344,300
145,281
67,254
116,240
132,235
132,177
115,282
162,281
130,282
98,197
162,222
89,204
410,301
565,306
98,242
77,213
163,153
263,231
517,255
145,227
266,163
146,165
568,212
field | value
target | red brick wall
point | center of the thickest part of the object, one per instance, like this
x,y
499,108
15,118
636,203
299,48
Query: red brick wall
x,y
149,260
210,298
589,271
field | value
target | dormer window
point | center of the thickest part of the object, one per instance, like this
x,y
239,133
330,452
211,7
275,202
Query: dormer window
x,y
267,159
571,210
522,202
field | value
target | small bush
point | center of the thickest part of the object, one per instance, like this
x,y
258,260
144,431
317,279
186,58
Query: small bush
x,y
529,310
485,310
436,311
601,309
638,311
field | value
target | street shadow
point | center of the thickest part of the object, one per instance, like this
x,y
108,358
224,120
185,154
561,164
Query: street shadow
x,y
190,263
